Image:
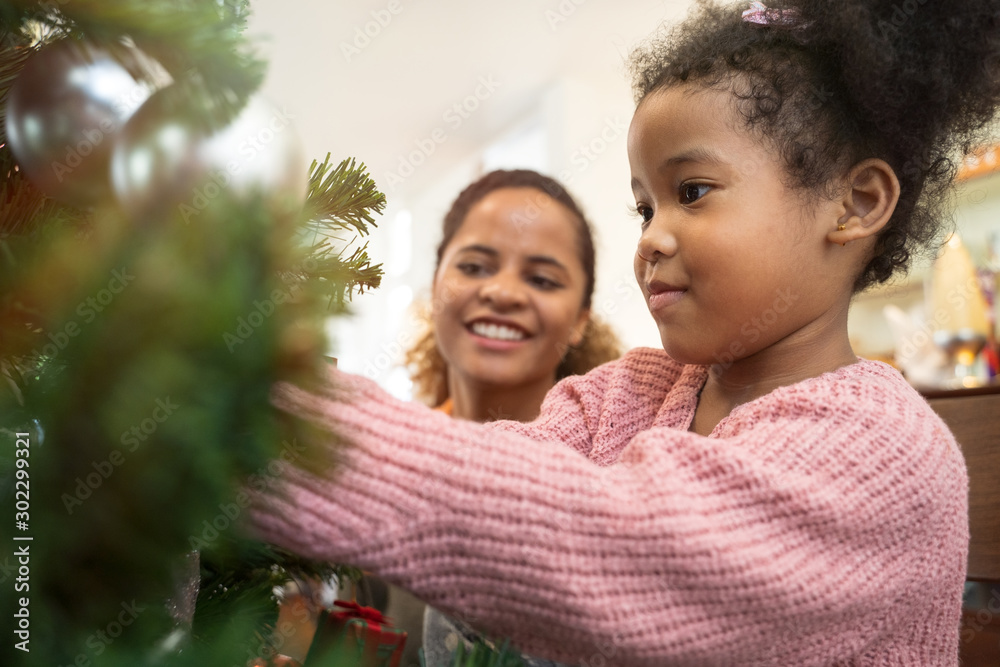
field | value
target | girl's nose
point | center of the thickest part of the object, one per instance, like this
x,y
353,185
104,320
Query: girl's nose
x,y
656,241
503,290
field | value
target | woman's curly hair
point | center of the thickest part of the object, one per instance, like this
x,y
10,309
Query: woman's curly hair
x,y
830,83
428,369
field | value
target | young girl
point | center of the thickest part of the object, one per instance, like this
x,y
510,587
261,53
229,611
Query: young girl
x,y
752,494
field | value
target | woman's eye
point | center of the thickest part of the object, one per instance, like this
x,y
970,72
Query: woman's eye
x,y
544,283
692,192
471,269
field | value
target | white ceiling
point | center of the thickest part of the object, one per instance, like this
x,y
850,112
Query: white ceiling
x,y
430,54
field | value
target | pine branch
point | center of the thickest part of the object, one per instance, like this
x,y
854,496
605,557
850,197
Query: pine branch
x,y
149,352
337,278
21,203
339,209
24,209
241,575
344,198
13,55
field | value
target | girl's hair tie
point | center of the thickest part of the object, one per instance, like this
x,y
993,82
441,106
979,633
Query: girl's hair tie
x,y
782,18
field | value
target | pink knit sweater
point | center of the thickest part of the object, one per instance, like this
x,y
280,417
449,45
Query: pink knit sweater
x,y
822,524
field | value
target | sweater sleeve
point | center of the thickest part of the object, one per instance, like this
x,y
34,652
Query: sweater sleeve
x,y
789,541
598,413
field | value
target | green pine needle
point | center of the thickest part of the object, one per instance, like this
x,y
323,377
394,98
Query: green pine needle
x,y
340,206
345,197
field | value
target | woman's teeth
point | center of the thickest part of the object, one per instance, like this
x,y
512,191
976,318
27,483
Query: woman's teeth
x,y
496,331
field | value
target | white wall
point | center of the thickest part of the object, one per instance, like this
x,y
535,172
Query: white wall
x,y
540,84
553,94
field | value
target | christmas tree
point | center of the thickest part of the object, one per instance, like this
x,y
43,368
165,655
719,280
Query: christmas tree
x,y
166,256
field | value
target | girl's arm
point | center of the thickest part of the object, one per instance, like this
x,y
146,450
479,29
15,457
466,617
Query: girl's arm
x,y
597,414
772,546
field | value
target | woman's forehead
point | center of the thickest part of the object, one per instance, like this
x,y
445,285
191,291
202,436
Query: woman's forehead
x,y
522,222
519,215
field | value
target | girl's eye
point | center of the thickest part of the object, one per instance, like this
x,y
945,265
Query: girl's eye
x,y
644,212
692,192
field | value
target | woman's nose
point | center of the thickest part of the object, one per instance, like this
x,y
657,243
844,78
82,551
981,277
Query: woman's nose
x,y
503,290
657,240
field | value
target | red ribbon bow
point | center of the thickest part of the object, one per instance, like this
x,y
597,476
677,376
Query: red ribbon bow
x,y
354,610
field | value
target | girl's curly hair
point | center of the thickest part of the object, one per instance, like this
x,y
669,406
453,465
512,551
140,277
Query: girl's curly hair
x,y
428,369
830,83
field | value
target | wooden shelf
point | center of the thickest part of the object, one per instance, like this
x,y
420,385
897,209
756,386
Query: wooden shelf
x,y
993,388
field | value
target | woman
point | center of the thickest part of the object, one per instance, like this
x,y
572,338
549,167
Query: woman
x,y
509,316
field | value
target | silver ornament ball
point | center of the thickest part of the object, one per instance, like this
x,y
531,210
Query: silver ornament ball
x,y
165,161
63,112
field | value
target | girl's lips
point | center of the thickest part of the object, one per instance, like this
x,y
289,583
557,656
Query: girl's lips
x,y
664,299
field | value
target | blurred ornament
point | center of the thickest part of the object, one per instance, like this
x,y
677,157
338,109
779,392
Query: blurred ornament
x,y
923,363
958,310
63,111
167,159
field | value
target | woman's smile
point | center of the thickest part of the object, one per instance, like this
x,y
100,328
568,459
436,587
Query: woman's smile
x,y
497,334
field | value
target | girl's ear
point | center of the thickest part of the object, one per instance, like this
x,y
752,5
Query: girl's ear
x,y
869,201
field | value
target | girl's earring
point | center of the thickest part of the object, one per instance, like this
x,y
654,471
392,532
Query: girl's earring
x,y
841,227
